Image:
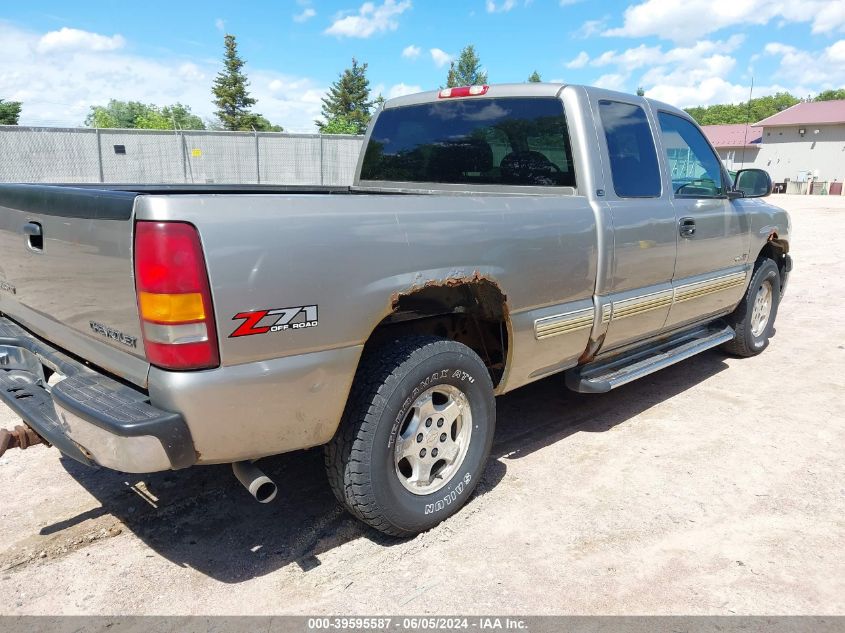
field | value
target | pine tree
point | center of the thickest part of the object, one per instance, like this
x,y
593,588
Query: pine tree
x,y
230,91
640,92
534,78
467,72
349,99
452,77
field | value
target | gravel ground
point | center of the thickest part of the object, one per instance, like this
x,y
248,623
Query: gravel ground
x,y
714,487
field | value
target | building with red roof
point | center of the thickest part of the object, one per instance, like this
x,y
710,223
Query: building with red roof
x,y
737,143
804,142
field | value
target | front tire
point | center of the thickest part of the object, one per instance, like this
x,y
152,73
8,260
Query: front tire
x,y
415,436
754,318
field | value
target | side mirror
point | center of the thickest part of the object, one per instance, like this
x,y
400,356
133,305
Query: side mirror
x,y
753,183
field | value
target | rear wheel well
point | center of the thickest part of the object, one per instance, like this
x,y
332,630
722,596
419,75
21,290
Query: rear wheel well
x,y
471,311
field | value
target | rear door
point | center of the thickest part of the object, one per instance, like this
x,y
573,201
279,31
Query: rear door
x,y
637,292
712,233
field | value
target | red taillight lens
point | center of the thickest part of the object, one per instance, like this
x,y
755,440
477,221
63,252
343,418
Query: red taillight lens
x,y
174,298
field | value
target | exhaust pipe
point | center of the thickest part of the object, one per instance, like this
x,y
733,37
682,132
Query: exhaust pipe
x,y
255,481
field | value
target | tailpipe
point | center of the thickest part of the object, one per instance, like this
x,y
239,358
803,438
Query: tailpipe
x,y
20,437
255,481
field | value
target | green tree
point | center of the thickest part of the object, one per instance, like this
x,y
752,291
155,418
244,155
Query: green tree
x,y
640,91
117,114
134,114
10,112
231,95
831,95
349,98
467,71
748,111
154,119
260,124
340,124
534,78
183,117
452,76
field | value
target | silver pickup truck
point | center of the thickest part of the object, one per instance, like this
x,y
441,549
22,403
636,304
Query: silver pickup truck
x,y
494,235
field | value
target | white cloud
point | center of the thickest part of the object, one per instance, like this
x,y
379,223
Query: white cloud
x,y
504,7
69,40
400,90
830,17
191,72
614,81
440,57
643,55
306,15
683,75
411,52
707,92
825,68
690,19
220,24
836,52
59,89
292,102
371,19
591,28
579,61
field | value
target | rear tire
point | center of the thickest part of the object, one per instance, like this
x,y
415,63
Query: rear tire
x,y
754,318
415,436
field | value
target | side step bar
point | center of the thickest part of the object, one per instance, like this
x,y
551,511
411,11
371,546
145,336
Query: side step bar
x,y
602,376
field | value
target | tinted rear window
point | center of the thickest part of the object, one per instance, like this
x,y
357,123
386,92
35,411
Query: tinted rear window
x,y
633,159
505,141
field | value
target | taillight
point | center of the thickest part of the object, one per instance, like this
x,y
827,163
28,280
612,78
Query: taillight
x,y
463,91
174,299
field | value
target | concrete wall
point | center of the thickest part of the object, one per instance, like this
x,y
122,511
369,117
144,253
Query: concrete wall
x,y
737,157
784,153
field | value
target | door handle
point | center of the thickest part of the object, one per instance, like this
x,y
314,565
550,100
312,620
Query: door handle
x,y
687,227
33,229
35,236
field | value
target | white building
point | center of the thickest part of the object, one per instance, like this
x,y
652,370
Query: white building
x,y
802,143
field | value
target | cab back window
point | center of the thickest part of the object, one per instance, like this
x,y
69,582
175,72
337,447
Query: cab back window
x,y
633,159
496,141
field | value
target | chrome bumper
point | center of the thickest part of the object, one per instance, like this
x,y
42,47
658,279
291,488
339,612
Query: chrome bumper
x,y
88,416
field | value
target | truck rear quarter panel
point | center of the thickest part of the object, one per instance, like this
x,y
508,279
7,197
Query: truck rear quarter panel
x,y
351,256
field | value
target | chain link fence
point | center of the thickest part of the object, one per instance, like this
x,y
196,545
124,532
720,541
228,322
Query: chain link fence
x,y
84,155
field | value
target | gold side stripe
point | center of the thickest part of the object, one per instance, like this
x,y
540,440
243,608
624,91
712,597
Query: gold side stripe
x,y
640,310
653,303
639,305
566,330
704,288
563,323
606,311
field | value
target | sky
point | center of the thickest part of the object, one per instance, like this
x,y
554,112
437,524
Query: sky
x,y
60,57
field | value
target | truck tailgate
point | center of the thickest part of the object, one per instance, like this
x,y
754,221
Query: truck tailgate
x,y
66,272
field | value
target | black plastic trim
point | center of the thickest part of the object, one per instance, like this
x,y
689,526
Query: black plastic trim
x,y
69,202
103,401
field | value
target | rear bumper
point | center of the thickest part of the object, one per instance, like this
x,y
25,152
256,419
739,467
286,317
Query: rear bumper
x,y
88,416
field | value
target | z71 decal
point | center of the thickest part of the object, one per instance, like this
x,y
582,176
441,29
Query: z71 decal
x,y
277,320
